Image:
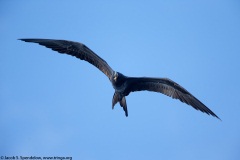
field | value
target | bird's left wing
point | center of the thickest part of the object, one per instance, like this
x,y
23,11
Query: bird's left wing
x,y
76,49
169,88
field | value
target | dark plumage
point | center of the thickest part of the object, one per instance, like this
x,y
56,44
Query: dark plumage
x,y
123,85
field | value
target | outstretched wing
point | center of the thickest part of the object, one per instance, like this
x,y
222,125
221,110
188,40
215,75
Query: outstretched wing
x,y
169,88
76,49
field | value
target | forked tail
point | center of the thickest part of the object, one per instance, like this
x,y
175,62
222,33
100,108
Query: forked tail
x,y
122,100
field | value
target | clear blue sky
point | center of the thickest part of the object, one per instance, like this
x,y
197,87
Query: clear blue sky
x,y
57,105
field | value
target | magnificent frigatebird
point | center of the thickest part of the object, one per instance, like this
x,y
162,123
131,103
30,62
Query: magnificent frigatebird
x,y
123,85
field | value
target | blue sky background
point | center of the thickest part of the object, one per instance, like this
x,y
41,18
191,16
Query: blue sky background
x,y
57,105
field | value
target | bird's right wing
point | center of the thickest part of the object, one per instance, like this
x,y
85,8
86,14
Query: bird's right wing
x,y
169,88
76,49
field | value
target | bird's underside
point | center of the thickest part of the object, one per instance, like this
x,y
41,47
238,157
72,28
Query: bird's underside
x,y
124,85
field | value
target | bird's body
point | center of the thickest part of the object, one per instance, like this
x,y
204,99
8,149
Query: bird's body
x,y
124,85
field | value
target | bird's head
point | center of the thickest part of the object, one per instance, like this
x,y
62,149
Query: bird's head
x,y
115,76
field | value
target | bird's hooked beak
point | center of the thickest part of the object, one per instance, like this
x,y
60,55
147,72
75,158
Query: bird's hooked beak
x,y
115,76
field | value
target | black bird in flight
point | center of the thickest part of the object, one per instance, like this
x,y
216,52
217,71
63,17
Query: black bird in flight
x,y
123,85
